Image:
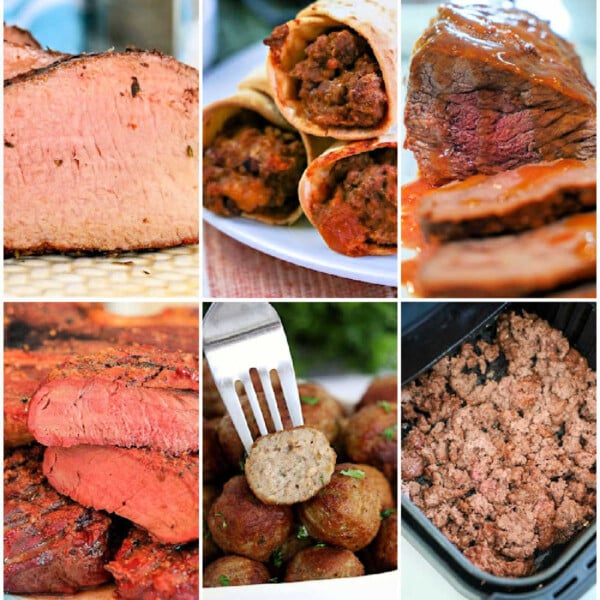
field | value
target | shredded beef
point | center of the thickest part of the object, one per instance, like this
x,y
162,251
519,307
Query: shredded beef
x,y
504,463
340,83
252,166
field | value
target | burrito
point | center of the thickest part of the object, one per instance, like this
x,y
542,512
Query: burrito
x,y
252,157
350,194
333,68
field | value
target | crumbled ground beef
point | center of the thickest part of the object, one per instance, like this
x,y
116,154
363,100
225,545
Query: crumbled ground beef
x,y
340,83
252,166
504,464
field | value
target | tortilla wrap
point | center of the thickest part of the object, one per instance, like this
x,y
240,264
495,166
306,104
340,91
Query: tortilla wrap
x,y
374,20
343,225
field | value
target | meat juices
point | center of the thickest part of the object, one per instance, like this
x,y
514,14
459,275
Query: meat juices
x,y
252,166
499,445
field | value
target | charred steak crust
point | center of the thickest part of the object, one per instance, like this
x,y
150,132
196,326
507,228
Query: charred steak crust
x,y
51,544
143,568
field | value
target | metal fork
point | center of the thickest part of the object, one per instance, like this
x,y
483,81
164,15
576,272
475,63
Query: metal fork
x,y
239,336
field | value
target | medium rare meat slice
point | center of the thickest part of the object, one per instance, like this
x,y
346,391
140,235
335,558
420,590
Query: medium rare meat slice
x,y
145,569
19,36
513,265
492,89
155,491
51,544
139,397
22,58
110,161
523,198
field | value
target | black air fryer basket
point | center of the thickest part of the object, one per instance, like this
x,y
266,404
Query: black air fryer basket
x,y
433,330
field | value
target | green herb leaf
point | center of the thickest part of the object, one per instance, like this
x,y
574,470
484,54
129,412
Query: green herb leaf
x,y
224,580
274,580
387,407
390,433
224,523
302,533
320,545
311,400
277,557
356,473
388,512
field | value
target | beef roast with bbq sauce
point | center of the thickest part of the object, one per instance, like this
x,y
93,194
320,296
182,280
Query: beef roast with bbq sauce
x,y
491,89
157,492
142,568
140,397
51,544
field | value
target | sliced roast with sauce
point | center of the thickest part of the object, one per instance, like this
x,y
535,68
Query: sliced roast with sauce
x,y
523,198
562,253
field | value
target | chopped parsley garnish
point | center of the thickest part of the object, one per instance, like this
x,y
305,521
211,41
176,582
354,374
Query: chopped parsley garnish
x,y
356,473
302,533
388,512
277,557
387,407
309,400
224,580
224,523
274,580
390,433
320,545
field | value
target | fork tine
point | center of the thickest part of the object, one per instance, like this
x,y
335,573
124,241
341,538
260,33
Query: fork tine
x,y
251,394
234,408
290,393
265,379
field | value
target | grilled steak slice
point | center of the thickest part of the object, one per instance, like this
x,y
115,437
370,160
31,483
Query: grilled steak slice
x,y
112,162
539,260
141,397
526,197
51,544
493,89
155,491
22,58
144,569
19,36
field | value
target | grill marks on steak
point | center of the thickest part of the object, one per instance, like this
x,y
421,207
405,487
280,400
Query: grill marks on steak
x,y
51,545
107,165
144,569
155,491
524,198
142,397
252,166
490,90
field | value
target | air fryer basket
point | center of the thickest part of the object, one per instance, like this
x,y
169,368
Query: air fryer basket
x,y
433,330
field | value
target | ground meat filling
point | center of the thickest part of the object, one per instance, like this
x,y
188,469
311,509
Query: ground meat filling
x,y
340,83
499,445
368,184
251,167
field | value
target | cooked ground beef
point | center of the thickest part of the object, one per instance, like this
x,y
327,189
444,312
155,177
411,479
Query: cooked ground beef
x,y
500,445
340,81
368,182
252,166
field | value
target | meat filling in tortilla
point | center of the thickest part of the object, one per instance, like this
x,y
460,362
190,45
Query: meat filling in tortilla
x,y
252,166
367,185
340,83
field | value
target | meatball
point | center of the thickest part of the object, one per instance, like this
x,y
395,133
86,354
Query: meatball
x,y
210,550
213,463
385,547
241,524
346,512
320,409
234,570
383,486
372,437
381,389
323,563
289,466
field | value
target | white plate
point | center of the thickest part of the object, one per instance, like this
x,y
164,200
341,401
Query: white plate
x,y
299,244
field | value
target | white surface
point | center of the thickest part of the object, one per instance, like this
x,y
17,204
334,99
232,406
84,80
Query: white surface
x,y
299,244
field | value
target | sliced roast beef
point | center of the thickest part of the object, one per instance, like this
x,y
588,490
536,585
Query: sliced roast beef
x,y
145,569
155,491
139,397
491,89
539,260
22,58
51,544
526,197
19,36
110,161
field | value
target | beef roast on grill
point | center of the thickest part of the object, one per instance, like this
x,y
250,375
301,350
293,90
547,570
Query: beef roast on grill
x,y
145,569
523,198
142,397
491,89
155,491
51,544
108,159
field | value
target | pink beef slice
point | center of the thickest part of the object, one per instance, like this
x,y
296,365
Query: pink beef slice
x,y
137,398
160,493
101,154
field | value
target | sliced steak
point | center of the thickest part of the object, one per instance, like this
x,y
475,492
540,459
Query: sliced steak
x,y
144,569
155,491
110,161
20,58
491,89
558,254
523,198
51,544
140,397
19,36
